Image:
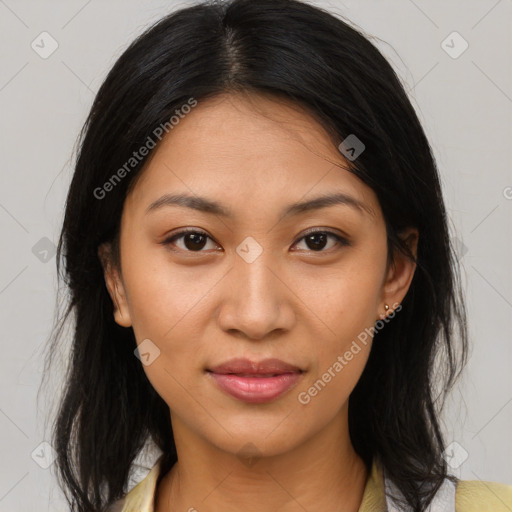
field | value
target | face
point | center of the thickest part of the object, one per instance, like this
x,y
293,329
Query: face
x,y
253,278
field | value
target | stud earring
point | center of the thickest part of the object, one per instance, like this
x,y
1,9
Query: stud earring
x,y
381,317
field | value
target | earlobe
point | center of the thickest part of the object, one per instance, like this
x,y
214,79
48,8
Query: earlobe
x,y
114,286
121,312
401,271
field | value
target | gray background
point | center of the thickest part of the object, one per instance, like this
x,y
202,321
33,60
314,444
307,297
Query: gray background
x,y
464,103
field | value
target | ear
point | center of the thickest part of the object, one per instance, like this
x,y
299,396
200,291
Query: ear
x,y
400,273
114,285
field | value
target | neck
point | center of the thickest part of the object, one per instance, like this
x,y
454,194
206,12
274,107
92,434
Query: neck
x,y
323,473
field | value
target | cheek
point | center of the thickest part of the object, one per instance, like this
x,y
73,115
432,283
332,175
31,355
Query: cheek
x,y
345,300
162,295
337,368
164,305
346,303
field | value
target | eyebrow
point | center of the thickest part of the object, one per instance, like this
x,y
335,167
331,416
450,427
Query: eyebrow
x,y
206,205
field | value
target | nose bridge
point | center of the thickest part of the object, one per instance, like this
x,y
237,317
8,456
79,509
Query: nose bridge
x,y
255,302
257,283
255,275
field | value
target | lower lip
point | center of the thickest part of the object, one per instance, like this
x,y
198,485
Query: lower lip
x,y
255,390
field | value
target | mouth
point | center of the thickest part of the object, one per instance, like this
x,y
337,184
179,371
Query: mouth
x,y
255,382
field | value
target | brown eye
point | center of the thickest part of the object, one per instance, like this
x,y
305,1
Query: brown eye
x,y
196,241
193,241
316,241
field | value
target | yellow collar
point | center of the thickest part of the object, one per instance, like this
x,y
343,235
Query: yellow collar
x,y
471,495
142,497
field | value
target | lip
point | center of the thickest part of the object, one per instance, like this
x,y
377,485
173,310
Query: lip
x,y
246,366
255,382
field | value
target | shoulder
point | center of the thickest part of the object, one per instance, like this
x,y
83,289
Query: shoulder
x,y
480,496
141,498
117,506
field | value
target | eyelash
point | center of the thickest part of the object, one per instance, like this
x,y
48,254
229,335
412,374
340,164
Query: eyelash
x,y
168,241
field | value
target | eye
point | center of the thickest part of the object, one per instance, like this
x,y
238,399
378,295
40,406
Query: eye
x,y
316,240
195,240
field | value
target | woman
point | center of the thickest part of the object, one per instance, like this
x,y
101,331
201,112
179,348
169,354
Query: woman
x,y
259,265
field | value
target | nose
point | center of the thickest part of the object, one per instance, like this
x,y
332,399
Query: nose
x,y
256,301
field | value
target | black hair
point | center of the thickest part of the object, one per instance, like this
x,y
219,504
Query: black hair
x,y
289,49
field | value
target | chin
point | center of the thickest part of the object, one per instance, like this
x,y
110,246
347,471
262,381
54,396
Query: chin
x,y
253,438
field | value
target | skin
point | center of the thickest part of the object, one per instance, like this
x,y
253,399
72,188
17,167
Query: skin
x,y
202,304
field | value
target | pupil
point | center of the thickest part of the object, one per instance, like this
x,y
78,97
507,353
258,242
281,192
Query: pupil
x,y
315,236
194,238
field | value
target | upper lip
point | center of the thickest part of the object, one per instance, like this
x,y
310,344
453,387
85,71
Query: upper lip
x,y
246,366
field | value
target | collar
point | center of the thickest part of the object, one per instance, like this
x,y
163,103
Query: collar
x,y
142,497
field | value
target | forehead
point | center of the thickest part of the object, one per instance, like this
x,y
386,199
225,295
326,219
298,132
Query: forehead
x,y
247,150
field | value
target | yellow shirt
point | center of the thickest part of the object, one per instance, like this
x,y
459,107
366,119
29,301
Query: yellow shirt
x,y
470,495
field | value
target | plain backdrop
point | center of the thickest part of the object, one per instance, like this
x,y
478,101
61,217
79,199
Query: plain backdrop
x,y
463,97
